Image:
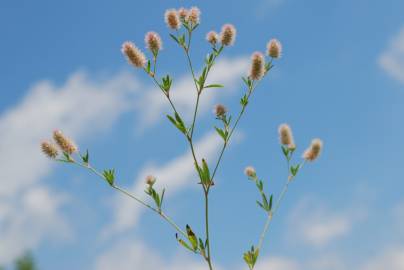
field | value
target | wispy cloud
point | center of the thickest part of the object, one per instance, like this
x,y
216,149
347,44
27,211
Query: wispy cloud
x,y
265,7
318,225
392,59
175,175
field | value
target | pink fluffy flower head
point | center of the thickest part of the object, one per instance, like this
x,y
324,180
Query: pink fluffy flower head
x,y
257,69
228,35
153,42
194,15
49,149
172,19
183,14
65,143
314,150
274,48
212,37
133,54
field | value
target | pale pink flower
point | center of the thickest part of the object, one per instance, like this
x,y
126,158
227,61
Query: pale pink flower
x,y
49,149
274,48
133,54
228,35
66,144
212,37
153,42
172,19
314,150
257,69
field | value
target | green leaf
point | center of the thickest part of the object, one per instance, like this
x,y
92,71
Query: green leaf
x,y
285,151
183,243
85,158
250,257
214,86
192,238
178,123
174,38
244,100
205,174
109,176
221,133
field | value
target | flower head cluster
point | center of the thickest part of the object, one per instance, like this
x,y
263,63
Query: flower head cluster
x,y
153,42
65,144
133,54
274,48
286,136
228,35
314,150
257,69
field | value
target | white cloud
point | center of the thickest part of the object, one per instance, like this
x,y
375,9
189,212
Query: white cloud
x,y
392,259
28,219
276,263
127,255
317,225
392,60
175,175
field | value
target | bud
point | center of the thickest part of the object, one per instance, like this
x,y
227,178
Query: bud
x,y
212,37
183,14
274,48
150,180
257,70
194,15
228,35
49,149
172,19
314,150
133,54
250,172
220,110
286,136
153,42
64,142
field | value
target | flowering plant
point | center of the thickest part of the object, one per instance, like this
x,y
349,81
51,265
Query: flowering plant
x,y
183,24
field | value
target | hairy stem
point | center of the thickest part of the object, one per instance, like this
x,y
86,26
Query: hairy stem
x,y
209,256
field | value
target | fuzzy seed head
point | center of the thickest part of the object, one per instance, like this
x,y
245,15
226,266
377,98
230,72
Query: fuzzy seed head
x,y
153,42
250,172
133,54
183,14
64,143
220,110
314,150
150,180
286,136
194,15
212,37
228,35
172,19
274,48
257,69
49,149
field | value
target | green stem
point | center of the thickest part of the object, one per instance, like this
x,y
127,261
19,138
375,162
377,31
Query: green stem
x,y
125,192
209,256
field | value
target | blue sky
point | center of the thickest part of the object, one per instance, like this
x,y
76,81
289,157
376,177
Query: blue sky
x,y
341,78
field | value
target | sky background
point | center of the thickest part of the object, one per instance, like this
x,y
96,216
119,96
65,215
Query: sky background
x,y
341,78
